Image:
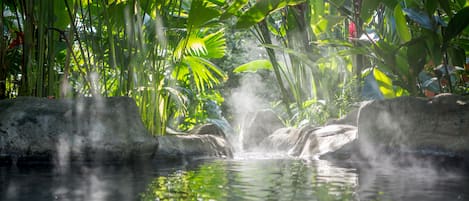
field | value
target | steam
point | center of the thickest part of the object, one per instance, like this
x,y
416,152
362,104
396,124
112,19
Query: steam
x,y
85,116
395,154
246,100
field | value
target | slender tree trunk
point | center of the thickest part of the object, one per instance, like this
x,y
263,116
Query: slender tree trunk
x,y
358,60
276,66
3,66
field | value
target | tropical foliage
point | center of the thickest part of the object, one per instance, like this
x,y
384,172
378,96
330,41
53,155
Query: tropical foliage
x,y
157,52
164,53
387,44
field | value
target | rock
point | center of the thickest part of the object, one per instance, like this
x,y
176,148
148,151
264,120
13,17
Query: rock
x,y
208,128
64,130
318,141
349,119
409,124
204,141
309,141
193,145
259,126
283,139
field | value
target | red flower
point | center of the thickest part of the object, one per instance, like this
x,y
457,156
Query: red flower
x,y
352,30
17,41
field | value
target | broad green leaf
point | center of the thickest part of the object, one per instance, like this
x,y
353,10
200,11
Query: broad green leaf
x,y
335,43
390,3
234,8
430,7
416,55
402,65
116,14
333,20
457,56
62,19
337,3
320,27
433,45
413,3
368,8
399,91
401,25
317,10
201,13
384,83
456,24
218,2
254,66
420,18
462,3
261,9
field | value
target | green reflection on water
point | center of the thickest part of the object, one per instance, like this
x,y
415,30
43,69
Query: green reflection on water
x,y
265,180
208,182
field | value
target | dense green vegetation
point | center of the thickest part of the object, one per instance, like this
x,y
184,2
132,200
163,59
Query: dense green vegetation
x,y
178,59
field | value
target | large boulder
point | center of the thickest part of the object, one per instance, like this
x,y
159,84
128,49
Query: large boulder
x,y
208,128
409,124
284,139
86,129
323,140
309,141
204,141
259,126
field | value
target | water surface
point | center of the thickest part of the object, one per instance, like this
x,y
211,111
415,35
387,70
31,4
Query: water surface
x,y
247,177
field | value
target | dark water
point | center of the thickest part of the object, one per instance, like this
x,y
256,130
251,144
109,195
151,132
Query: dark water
x,y
244,178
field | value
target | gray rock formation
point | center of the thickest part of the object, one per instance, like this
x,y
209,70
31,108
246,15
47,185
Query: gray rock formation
x,y
408,124
323,140
284,139
259,126
203,141
60,131
349,119
308,141
208,128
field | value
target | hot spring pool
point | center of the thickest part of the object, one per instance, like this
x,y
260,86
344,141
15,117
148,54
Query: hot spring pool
x,y
247,177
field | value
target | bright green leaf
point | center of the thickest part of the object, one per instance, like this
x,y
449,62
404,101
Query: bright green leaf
x,y
260,10
201,13
254,66
204,73
235,7
384,83
456,24
215,44
368,8
401,25
62,20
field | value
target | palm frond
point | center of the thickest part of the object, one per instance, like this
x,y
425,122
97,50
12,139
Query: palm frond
x,y
215,44
204,74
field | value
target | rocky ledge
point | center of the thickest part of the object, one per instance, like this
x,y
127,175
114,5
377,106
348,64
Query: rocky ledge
x,y
400,130
207,140
417,126
59,131
96,130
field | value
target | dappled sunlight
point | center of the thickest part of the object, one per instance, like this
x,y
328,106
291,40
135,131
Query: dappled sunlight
x,y
234,100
